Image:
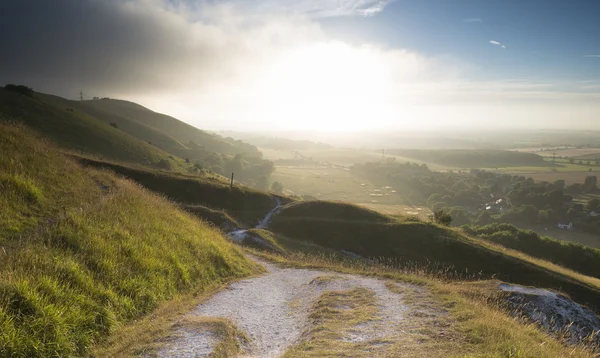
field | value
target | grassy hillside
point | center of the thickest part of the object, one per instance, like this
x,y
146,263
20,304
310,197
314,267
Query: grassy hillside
x,y
84,251
131,114
477,158
243,203
573,256
74,129
411,241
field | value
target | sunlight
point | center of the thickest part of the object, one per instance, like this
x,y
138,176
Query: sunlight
x,y
328,86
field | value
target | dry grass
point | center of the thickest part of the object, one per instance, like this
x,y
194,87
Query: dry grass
x,y
476,325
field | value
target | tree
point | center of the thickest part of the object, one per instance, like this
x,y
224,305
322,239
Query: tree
x,y
560,184
277,187
114,125
592,204
590,184
440,217
262,182
24,90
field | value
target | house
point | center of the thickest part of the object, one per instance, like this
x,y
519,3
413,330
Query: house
x,y
565,226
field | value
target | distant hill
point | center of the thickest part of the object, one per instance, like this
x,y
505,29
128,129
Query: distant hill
x,y
278,143
477,158
164,131
125,131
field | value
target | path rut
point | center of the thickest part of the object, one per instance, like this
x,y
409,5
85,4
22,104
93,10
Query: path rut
x,y
273,311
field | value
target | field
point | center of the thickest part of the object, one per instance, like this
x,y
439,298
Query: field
x,y
399,210
570,152
333,184
337,156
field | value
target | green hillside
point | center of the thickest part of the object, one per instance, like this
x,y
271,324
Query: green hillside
x,y
84,251
243,203
168,131
411,241
73,129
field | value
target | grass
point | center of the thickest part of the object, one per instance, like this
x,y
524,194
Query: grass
x,y
219,218
409,241
266,241
573,256
169,132
86,252
333,316
244,204
75,130
476,324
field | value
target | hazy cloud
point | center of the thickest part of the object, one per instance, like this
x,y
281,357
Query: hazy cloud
x,y
473,19
594,56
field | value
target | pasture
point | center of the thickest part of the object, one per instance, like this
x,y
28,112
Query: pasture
x,y
326,183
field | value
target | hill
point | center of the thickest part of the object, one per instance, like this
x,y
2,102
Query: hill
x,y
76,130
410,241
127,132
85,251
164,130
244,204
478,158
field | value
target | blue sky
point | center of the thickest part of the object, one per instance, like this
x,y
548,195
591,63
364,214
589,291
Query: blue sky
x,y
544,39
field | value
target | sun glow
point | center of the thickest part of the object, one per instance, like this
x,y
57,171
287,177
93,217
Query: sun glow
x,y
329,86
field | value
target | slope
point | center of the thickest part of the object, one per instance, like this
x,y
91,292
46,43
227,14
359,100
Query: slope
x,y
84,251
411,241
178,131
75,130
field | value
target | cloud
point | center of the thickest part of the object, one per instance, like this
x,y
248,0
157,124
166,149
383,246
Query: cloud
x,y
592,56
472,20
231,65
318,8
497,44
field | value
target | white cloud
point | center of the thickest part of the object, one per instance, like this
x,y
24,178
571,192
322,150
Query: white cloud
x,y
317,8
497,44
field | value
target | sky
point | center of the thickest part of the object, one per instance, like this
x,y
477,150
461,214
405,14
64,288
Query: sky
x,y
317,65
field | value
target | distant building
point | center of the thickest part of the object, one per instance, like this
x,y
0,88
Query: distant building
x,y
565,226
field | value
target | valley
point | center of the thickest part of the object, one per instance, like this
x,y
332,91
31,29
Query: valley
x,y
172,261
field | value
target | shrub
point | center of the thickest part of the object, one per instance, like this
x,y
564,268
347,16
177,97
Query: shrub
x,y
24,90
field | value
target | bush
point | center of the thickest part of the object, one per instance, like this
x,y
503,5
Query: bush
x,y
442,218
24,90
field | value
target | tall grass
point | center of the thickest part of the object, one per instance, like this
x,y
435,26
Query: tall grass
x,y
87,252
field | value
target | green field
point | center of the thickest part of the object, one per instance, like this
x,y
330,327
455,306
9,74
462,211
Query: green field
x,y
333,184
